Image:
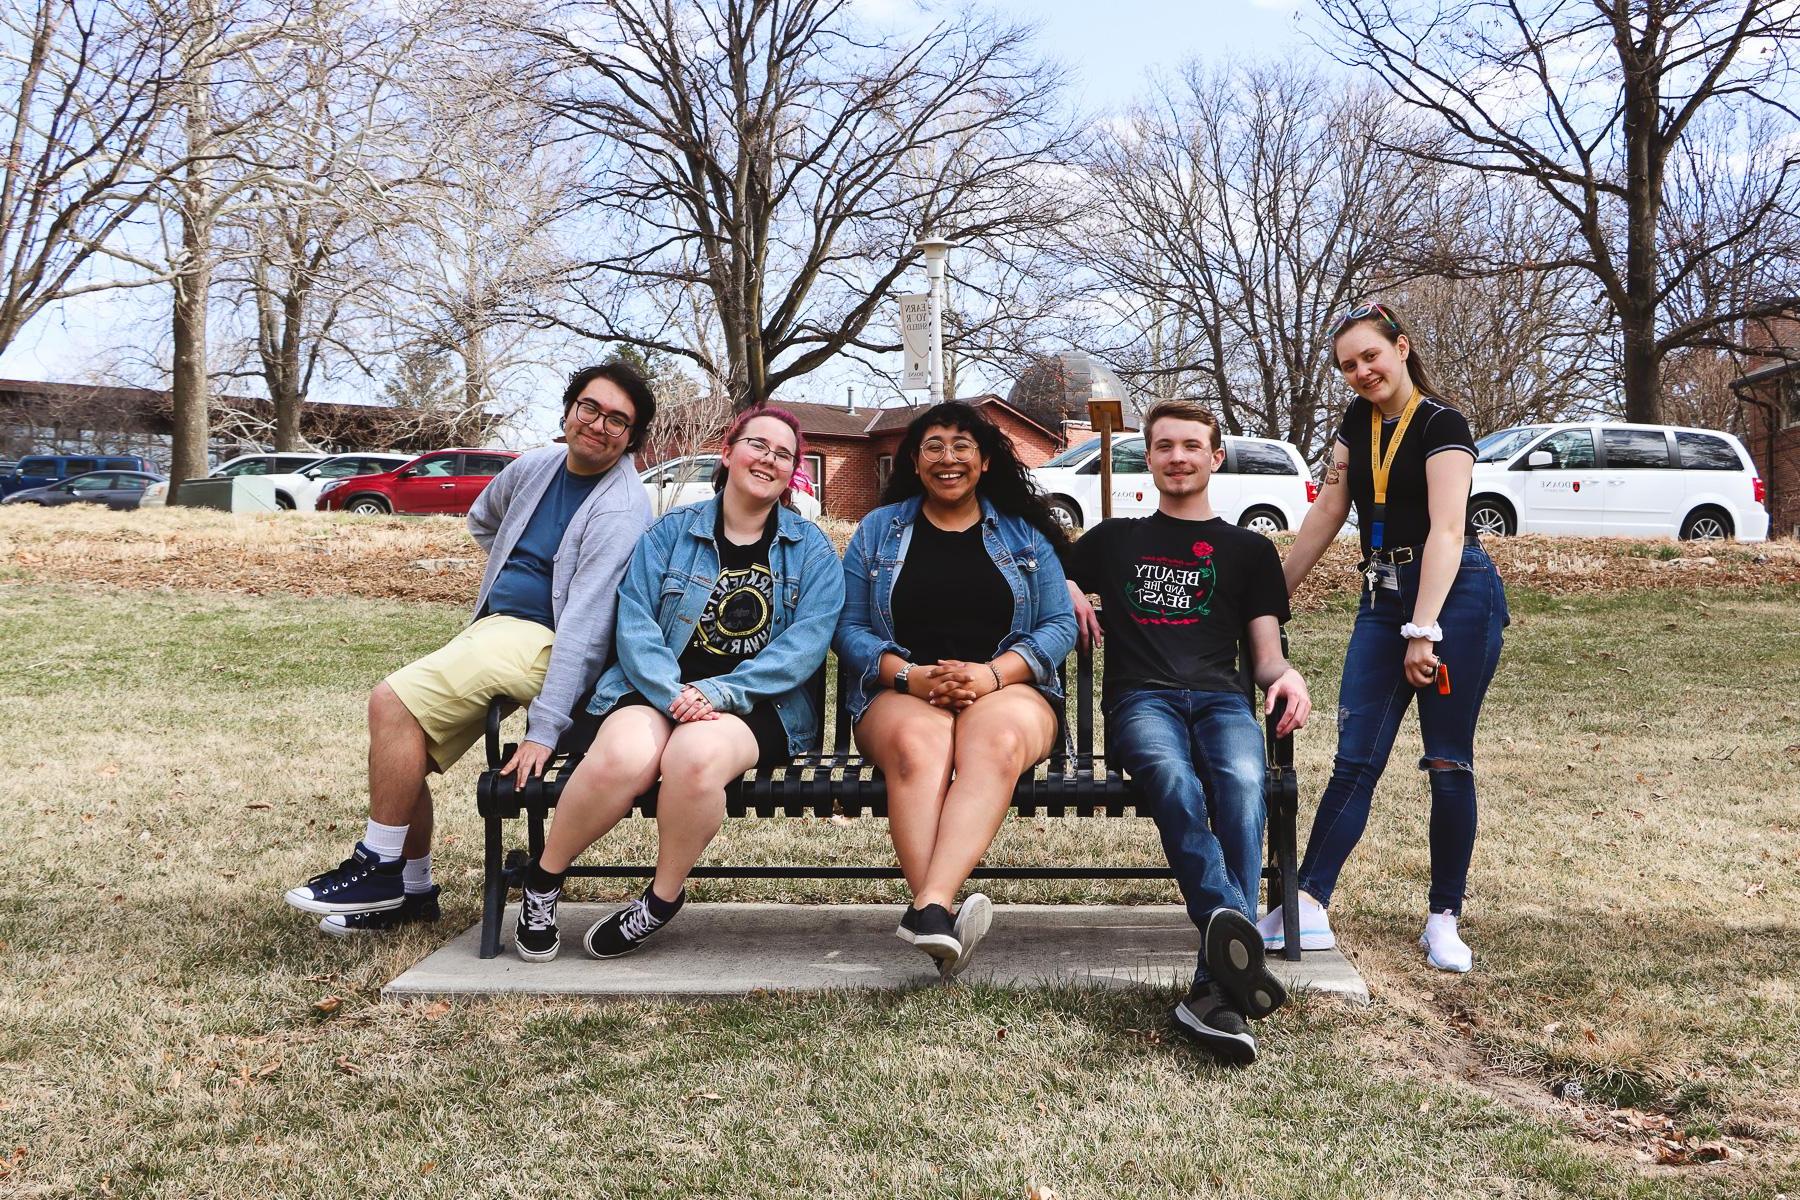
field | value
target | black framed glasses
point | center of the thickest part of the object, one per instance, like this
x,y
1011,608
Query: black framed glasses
x,y
1364,313
784,458
587,412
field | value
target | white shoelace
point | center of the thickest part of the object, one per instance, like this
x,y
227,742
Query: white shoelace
x,y
637,921
540,909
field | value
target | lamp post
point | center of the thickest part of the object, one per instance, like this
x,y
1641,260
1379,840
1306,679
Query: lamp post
x,y
936,251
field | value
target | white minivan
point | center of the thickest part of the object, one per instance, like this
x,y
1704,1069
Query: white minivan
x,y
1263,485
1604,479
689,479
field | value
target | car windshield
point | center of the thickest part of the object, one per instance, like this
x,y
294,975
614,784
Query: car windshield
x,y
1502,445
1074,454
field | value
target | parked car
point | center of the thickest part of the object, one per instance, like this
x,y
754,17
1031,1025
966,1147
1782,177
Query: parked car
x,y
1600,478
1263,484
41,470
444,481
244,464
115,489
689,479
300,489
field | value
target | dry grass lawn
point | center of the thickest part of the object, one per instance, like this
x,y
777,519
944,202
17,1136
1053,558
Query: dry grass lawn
x,y
176,757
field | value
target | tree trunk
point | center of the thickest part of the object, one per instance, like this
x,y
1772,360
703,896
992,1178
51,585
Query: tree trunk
x,y
1643,205
192,418
284,388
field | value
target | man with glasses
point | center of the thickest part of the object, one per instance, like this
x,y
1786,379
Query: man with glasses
x,y
559,524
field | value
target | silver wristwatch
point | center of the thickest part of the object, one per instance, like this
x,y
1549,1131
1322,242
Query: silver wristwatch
x,y
900,677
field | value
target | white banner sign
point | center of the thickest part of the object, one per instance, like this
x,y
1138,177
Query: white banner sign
x,y
915,335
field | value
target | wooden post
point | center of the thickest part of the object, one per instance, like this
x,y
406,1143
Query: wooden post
x,y
1106,415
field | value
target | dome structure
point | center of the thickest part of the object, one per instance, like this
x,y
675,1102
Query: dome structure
x,y
1058,387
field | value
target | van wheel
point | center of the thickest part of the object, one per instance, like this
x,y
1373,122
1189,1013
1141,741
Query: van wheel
x,y
1065,512
367,505
1263,520
1491,517
284,502
1706,525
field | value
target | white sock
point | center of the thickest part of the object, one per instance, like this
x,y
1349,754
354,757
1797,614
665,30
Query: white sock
x,y
387,841
416,875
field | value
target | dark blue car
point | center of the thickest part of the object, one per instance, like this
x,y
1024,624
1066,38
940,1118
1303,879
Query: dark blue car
x,y
41,470
115,489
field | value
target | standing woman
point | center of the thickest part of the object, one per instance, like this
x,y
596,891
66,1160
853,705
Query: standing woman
x,y
1429,623
725,612
956,616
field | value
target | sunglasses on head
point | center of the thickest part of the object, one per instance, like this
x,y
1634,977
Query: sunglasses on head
x,y
1362,314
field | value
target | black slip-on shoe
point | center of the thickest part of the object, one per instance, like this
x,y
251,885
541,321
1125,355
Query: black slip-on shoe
x,y
931,930
1208,1019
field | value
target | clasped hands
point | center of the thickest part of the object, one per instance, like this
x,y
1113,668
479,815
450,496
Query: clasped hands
x,y
951,683
692,705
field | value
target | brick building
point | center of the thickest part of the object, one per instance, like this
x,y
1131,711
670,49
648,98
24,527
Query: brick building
x,y
854,447
1770,397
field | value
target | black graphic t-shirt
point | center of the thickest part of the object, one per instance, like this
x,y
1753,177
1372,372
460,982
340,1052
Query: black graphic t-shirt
x,y
736,621
1175,598
1435,429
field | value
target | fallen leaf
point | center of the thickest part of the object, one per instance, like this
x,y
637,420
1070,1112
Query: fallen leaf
x,y
1038,1191
1552,1027
1754,889
436,1009
109,770
428,1168
1000,1034
346,1066
328,1004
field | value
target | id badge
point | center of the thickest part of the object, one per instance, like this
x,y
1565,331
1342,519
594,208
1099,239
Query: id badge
x,y
1387,577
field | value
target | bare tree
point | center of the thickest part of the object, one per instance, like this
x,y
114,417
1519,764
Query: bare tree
x,y
1590,100
777,158
1233,214
89,81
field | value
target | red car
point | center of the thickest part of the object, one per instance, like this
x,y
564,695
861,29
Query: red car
x,y
444,481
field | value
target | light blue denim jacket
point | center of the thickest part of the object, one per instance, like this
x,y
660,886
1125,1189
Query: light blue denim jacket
x,y
1043,621
667,583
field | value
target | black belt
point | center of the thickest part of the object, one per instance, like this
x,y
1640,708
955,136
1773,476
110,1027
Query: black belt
x,y
1399,556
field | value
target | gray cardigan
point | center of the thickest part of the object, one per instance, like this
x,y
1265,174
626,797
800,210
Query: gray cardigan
x,y
584,584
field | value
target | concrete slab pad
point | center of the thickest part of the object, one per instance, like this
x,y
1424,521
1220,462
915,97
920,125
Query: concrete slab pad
x,y
715,950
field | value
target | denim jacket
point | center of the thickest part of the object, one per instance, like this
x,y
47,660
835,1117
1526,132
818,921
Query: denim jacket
x,y
671,576
1043,620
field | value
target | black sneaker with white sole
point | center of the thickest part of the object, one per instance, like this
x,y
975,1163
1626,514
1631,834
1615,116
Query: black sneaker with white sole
x,y
535,937
931,930
415,907
973,919
627,929
361,883
1234,958
1208,1018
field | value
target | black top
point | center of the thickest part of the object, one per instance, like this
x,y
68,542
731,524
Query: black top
x,y
735,623
1435,429
1176,597
950,601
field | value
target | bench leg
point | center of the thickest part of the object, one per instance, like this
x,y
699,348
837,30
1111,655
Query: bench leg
x,y
493,899
1289,874
535,834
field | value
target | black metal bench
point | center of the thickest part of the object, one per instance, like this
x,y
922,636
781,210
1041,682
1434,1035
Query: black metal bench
x,y
1075,782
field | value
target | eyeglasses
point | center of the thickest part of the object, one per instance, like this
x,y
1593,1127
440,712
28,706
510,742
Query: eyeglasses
x,y
783,457
1362,314
587,412
960,450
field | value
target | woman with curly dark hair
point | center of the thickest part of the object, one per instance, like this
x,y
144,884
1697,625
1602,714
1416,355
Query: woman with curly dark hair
x,y
956,615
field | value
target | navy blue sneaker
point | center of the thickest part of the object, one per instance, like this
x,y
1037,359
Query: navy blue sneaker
x,y
415,907
361,883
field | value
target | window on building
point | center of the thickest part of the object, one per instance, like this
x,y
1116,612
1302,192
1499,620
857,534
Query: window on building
x,y
1790,401
884,470
815,470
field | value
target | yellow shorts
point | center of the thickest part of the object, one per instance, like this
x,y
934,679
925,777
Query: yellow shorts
x,y
448,691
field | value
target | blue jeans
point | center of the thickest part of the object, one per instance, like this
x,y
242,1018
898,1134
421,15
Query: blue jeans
x,y
1198,758
1375,695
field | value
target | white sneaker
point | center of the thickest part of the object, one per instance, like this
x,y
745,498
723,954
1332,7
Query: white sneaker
x,y
1315,927
1443,946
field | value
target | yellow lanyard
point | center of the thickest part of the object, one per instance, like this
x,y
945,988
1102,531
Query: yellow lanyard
x,y
1380,464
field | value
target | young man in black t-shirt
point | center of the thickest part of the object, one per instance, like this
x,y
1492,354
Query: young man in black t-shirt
x,y
1181,590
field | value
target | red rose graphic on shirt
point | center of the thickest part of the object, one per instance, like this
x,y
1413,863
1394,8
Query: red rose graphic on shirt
x,y
1202,549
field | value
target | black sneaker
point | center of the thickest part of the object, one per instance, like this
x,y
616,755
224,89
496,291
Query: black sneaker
x,y
361,883
1234,958
931,930
419,907
1207,1018
535,937
973,920
628,928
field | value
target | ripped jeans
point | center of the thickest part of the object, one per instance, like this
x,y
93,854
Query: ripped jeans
x,y
1374,697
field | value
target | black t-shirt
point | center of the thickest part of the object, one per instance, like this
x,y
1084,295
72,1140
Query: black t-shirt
x,y
1176,597
1435,429
735,623
950,601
